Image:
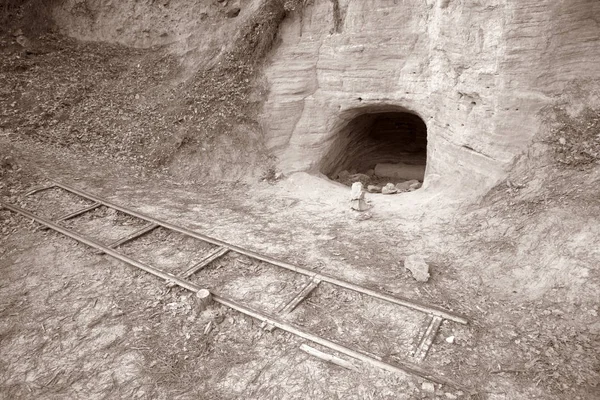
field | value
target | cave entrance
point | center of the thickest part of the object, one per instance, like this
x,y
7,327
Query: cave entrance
x,y
378,147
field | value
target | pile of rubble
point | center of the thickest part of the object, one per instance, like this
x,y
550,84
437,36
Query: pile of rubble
x,y
379,184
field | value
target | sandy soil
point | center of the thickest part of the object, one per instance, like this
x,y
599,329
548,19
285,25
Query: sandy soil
x,y
521,263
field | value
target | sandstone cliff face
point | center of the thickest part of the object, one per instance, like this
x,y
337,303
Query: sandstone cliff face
x,y
479,74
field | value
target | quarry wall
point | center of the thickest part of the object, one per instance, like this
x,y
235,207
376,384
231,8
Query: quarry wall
x,y
480,74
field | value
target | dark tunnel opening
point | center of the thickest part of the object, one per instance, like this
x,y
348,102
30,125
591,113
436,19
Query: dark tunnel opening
x,y
389,144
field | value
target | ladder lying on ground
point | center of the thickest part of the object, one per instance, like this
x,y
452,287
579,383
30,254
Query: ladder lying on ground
x,y
436,314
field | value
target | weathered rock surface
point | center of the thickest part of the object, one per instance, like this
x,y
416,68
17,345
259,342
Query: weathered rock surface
x,y
417,267
477,73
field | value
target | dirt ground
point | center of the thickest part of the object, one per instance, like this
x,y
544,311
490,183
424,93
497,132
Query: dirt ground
x,y
520,263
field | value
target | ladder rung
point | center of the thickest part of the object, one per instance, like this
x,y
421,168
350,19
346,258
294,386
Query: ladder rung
x,y
218,252
304,293
133,235
78,212
428,337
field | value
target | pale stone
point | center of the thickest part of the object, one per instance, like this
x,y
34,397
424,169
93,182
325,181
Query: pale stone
x,y
415,186
390,188
428,387
357,192
357,197
359,205
417,267
405,186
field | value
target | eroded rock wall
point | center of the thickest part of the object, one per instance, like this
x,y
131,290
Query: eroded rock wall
x,y
197,30
478,73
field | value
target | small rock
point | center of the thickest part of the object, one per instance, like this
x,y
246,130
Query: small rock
x,y
234,12
359,205
405,186
389,189
23,41
450,339
451,396
428,387
417,267
357,197
357,191
371,173
562,141
415,186
374,189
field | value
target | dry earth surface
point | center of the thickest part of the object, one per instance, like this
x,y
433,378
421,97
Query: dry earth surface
x,y
77,324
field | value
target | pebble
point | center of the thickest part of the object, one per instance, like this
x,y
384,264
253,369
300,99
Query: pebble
x,y
428,387
451,396
389,189
450,339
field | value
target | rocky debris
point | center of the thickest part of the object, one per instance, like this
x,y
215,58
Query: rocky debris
x,y
450,339
400,171
417,267
415,186
357,197
390,188
362,178
450,396
428,387
405,186
374,189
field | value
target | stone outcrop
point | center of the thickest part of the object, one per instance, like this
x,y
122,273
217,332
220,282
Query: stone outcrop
x,y
477,73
